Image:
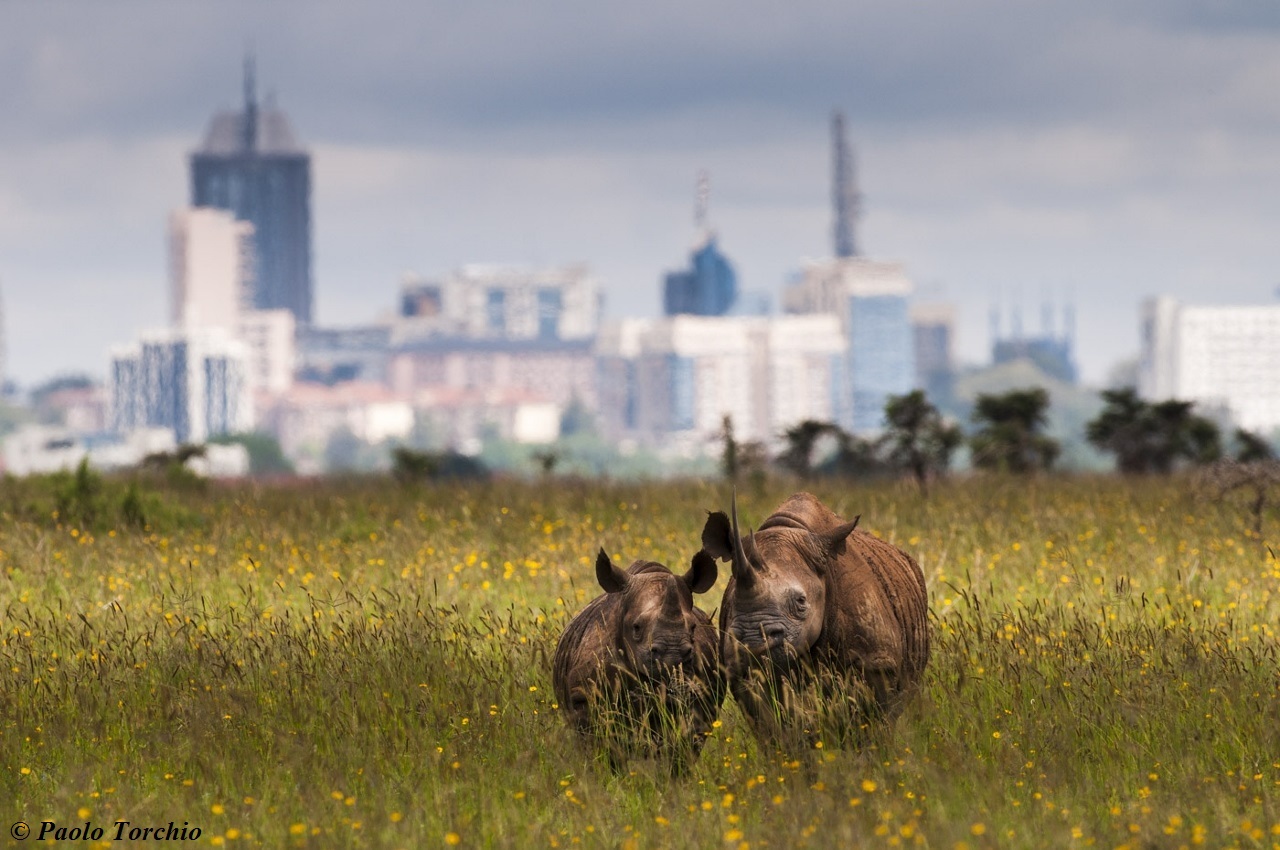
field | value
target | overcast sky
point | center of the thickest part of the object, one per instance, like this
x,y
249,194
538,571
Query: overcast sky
x,y
1015,151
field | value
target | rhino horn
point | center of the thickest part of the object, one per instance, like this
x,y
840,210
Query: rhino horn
x,y
671,602
612,579
743,571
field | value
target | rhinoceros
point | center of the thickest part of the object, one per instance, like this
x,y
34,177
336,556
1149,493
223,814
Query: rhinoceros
x,y
812,598
639,667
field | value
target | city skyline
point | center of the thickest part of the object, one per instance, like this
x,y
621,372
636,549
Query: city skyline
x,y
1107,154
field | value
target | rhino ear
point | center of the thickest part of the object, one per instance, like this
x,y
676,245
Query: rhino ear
x,y
833,541
717,536
703,572
612,579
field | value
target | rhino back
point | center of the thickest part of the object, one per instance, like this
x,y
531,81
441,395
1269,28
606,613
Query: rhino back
x,y
877,609
802,511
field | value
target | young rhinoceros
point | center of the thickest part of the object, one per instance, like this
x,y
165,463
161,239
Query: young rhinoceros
x,y
811,595
638,668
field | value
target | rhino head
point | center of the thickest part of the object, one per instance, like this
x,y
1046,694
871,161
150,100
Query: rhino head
x,y
776,608
655,632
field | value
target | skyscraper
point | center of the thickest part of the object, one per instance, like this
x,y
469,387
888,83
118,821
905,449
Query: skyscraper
x,y
251,164
709,287
870,297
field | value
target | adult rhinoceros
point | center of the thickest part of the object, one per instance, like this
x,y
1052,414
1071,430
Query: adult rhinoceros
x,y
639,666
811,595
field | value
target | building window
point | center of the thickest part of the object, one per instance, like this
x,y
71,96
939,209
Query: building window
x,y
550,306
496,310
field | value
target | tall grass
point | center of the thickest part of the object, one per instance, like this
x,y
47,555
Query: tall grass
x,y
360,664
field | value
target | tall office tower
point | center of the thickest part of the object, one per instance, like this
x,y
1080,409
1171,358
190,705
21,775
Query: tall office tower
x,y
870,297
844,192
933,330
251,165
210,268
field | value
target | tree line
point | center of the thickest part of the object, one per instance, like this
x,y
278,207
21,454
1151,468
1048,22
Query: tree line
x,y
1007,435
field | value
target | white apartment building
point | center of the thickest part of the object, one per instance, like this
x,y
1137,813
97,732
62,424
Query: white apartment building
x,y
193,381
1217,356
501,302
670,382
210,267
211,261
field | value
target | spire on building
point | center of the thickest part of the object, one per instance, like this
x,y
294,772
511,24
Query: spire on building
x,y
844,190
702,196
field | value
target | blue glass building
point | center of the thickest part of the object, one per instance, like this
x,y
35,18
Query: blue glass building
x,y
708,287
881,356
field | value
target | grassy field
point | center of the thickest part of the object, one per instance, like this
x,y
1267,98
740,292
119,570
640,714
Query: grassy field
x,y
357,664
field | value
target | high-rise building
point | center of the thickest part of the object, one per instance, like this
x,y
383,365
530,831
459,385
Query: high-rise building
x,y
870,299
1224,357
933,329
709,286
251,164
210,267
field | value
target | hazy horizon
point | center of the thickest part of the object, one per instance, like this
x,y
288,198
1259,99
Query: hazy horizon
x,y
1107,153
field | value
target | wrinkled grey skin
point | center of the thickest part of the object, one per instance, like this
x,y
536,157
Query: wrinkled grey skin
x,y
639,666
809,591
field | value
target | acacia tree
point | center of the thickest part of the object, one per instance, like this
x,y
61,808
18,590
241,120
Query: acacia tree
x,y
917,438
738,457
801,440
1010,435
1152,438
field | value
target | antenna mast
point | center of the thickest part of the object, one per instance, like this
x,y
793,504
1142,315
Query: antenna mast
x,y
844,192
250,103
702,195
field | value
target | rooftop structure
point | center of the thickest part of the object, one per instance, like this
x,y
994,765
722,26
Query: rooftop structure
x,y
1052,350
844,192
501,303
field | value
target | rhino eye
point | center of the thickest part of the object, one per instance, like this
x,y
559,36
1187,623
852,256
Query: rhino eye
x,y
637,630
799,604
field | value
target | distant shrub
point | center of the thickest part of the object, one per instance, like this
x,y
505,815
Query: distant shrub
x,y
410,466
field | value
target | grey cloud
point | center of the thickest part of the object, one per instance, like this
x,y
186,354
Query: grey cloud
x,y
1117,148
